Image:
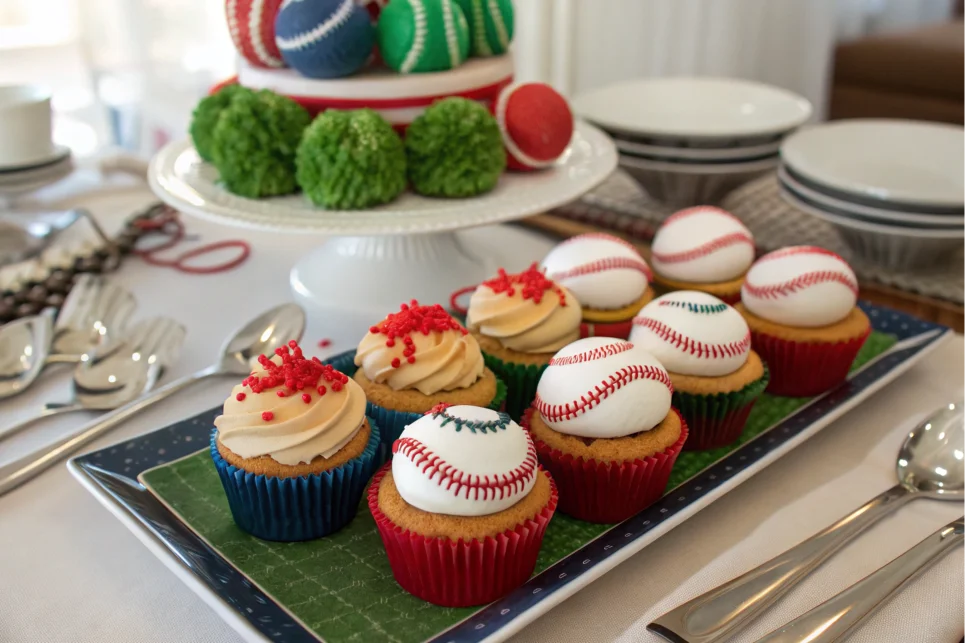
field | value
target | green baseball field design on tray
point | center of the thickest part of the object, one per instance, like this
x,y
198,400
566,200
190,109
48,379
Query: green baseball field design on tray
x,y
341,587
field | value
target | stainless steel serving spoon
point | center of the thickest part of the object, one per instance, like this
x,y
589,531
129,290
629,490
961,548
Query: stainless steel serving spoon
x,y
24,347
116,377
929,465
261,335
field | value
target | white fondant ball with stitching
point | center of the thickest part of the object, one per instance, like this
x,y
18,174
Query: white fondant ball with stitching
x,y
483,459
693,333
603,271
601,387
702,245
800,286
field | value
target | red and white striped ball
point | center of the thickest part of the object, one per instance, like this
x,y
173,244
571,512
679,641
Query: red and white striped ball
x,y
536,124
602,387
603,271
252,27
800,286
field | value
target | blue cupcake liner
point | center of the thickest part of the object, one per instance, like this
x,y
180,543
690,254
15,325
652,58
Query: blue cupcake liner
x,y
302,508
391,423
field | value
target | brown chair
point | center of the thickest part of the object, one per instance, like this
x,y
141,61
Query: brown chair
x,y
913,74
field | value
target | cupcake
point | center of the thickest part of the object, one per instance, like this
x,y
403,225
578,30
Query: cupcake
x,y
521,320
293,448
609,278
417,358
604,428
462,507
800,305
702,248
705,345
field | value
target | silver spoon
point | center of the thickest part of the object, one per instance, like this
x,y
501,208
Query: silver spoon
x,y
843,613
930,465
120,375
24,346
261,335
21,239
95,312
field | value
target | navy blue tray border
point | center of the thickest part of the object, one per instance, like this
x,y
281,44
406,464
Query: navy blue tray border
x,y
115,469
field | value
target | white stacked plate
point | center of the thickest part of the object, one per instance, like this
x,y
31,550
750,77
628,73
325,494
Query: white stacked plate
x,y
894,189
690,141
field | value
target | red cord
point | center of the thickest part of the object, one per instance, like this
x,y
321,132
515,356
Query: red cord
x,y
453,299
169,224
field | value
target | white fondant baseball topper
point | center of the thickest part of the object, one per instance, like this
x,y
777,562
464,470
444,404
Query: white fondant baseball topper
x,y
702,245
800,286
464,461
693,333
603,271
601,387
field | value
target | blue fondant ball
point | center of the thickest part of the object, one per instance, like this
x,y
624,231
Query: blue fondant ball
x,y
324,38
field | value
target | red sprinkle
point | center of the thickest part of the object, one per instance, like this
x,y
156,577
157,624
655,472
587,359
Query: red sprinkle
x,y
240,397
306,398
534,284
267,416
322,390
413,318
324,343
295,373
438,408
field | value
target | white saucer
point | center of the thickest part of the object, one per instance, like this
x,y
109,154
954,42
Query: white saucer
x,y
60,152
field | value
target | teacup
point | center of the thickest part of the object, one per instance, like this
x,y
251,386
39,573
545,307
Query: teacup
x,y
25,125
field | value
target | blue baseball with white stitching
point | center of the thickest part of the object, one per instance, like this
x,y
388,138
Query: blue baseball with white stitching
x,y
324,38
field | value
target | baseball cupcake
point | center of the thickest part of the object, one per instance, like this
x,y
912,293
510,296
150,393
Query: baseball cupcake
x,y
705,345
520,321
293,448
609,278
417,358
800,305
463,506
604,428
703,248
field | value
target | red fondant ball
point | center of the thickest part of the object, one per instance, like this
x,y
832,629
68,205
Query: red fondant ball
x,y
257,45
536,123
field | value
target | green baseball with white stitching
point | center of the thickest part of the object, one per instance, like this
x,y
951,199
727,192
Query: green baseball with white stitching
x,y
418,36
490,25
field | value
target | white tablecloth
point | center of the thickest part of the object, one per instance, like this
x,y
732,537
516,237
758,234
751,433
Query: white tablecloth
x,y
70,572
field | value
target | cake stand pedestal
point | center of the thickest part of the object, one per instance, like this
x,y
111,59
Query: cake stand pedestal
x,y
376,259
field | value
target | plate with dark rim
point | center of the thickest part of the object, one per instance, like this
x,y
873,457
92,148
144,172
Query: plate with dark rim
x,y
114,476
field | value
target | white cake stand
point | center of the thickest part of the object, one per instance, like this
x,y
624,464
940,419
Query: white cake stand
x,y
407,246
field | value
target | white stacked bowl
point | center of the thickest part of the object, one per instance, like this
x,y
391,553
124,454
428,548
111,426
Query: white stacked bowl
x,y
894,190
690,141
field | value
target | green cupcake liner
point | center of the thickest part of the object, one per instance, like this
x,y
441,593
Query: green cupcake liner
x,y
717,419
521,381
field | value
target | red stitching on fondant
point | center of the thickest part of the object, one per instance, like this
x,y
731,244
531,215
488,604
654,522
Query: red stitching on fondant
x,y
705,249
482,487
808,279
588,356
616,381
692,346
800,250
686,212
601,265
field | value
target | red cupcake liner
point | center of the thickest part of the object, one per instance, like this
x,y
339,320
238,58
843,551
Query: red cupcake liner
x,y
803,369
608,492
458,573
711,432
620,330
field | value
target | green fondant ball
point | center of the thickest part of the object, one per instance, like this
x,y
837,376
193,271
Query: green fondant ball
x,y
417,36
454,149
490,25
350,160
206,115
254,143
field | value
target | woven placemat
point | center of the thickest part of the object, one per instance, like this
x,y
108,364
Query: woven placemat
x,y
341,587
620,204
